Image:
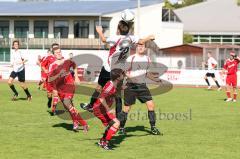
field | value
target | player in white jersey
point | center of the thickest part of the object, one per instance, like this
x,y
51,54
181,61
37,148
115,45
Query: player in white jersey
x,y
211,64
120,46
18,62
137,72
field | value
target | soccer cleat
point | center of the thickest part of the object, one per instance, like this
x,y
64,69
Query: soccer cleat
x,y
86,106
122,131
155,131
209,87
228,100
104,144
85,128
219,89
14,97
75,127
29,98
234,100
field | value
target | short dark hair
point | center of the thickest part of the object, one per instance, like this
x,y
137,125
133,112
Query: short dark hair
x,y
123,27
55,45
116,73
15,41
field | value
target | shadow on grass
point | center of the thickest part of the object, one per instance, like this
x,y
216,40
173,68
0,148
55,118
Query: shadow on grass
x,y
64,125
120,138
20,99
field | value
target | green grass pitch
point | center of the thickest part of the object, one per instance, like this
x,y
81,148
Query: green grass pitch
x,y
197,124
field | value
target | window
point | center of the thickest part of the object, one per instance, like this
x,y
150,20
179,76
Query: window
x,y
4,29
40,29
4,54
21,29
169,16
81,29
61,29
105,26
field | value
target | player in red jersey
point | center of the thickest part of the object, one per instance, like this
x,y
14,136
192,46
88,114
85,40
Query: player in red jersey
x,y
45,67
101,108
231,68
63,84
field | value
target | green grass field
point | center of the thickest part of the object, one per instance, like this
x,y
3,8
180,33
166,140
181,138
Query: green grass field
x,y
204,126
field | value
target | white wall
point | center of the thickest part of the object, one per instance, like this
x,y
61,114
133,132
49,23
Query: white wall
x,y
167,33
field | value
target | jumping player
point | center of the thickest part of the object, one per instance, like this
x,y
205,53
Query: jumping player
x,y
137,72
230,67
102,105
62,82
211,64
120,46
18,64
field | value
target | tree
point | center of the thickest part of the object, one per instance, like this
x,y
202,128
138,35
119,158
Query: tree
x,y
187,38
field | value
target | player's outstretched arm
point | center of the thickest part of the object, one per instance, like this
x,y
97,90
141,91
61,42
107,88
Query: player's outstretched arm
x,y
148,38
100,33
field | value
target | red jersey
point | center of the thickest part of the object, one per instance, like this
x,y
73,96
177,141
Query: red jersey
x,y
108,92
231,66
47,61
60,76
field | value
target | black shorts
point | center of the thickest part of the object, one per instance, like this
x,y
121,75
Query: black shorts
x,y
136,91
210,75
104,77
20,75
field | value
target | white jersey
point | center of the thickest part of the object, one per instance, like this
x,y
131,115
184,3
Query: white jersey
x,y
137,67
211,65
16,60
120,46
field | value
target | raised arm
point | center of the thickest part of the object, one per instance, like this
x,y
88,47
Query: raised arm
x,y
100,33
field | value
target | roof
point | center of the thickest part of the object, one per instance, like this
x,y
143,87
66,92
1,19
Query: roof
x,y
212,16
196,48
70,8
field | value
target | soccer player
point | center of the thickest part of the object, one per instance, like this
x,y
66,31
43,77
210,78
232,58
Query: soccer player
x,y
18,64
120,46
63,85
45,67
212,64
137,72
231,66
102,105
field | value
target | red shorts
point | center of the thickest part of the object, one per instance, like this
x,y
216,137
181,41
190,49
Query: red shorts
x,y
101,113
231,80
66,91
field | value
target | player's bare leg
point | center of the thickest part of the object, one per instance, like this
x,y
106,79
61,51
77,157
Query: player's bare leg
x,y
11,85
75,115
152,118
234,94
228,93
24,87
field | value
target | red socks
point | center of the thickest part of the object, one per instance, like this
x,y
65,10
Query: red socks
x,y
228,94
111,132
55,102
235,96
76,117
